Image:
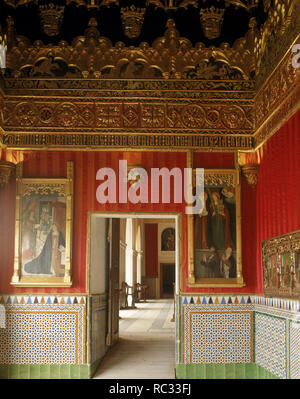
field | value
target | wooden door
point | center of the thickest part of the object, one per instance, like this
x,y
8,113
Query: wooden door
x,y
167,280
113,281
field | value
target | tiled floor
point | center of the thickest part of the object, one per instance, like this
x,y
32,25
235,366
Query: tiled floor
x,y
146,348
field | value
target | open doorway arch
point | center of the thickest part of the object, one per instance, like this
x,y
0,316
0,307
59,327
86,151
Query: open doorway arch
x,y
132,222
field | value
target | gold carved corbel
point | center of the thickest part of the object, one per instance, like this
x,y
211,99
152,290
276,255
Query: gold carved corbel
x,y
250,172
7,169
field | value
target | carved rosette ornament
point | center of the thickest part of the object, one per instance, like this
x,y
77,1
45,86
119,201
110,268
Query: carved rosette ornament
x,y
250,172
51,18
132,19
7,169
211,20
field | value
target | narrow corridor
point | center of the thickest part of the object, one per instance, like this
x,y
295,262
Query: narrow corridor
x,y
146,348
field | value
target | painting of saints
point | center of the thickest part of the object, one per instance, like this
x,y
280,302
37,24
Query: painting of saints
x,y
227,264
297,272
273,271
28,234
286,269
168,240
220,222
43,228
211,264
201,226
230,202
51,259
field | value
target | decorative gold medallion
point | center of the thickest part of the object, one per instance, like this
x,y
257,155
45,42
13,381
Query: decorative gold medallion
x,y
51,18
211,21
132,19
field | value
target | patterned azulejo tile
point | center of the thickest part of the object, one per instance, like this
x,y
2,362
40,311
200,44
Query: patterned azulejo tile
x,y
43,334
218,334
270,343
295,350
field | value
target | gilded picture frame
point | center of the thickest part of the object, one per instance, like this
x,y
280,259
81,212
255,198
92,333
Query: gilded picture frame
x,y
214,235
43,230
281,265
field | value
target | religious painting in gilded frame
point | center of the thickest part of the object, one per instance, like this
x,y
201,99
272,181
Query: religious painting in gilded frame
x,y
215,232
281,265
168,239
43,230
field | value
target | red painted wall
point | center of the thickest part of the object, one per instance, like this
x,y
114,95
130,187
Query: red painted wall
x,y
278,188
151,250
53,164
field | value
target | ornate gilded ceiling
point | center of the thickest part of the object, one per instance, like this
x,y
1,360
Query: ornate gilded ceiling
x,y
211,22
157,84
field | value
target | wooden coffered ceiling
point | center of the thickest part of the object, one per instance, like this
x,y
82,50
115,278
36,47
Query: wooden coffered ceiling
x,y
152,80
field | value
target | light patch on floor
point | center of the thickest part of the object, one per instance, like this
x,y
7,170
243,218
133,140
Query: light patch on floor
x,y
146,348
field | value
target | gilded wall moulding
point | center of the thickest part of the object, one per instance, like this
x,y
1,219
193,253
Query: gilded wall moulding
x,y
169,57
271,41
284,79
176,90
278,118
277,100
130,142
226,117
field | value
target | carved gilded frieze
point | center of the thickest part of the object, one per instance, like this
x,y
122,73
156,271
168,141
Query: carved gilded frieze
x,y
227,117
278,99
127,142
172,94
273,39
93,56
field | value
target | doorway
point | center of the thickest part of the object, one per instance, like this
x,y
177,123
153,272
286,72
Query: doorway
x,y
146,324
167,280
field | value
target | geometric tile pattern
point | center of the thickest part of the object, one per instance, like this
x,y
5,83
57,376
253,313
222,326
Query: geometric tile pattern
x,y
295,350
278,303
42,299
221,337
98,327
217,300
275,324
43,334
217,333
2,316
270,343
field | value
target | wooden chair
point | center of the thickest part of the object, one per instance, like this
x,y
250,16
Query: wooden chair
x,y
140,292
127,292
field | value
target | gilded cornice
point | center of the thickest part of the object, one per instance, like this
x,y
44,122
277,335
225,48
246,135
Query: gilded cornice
x,y
171,95
278,99
126,142
169,57
275,36
222,117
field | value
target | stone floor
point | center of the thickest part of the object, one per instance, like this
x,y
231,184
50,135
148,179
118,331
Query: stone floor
x,y
146,348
